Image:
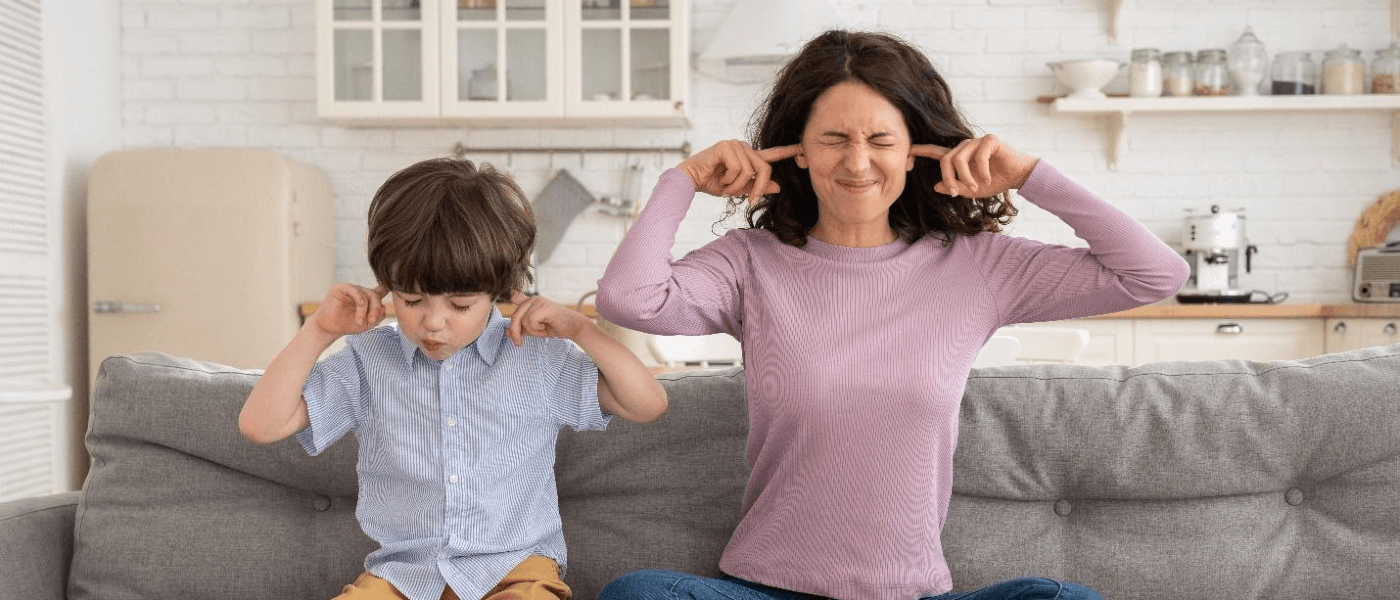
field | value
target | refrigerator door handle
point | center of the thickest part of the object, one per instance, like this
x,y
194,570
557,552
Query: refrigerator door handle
x,y
119,306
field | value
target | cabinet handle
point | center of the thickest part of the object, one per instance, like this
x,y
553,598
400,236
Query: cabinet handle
x,y
1229,328
1389,329
1340,327
118,306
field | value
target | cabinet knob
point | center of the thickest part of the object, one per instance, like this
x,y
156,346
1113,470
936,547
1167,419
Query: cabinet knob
x,y
1389,329
1340,327
1230,328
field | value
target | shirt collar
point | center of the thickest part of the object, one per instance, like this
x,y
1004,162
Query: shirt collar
x,y
487,345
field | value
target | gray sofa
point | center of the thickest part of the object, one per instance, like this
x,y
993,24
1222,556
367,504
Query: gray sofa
x,y
1194,480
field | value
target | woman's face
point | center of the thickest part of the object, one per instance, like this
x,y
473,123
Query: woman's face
x,y
856,150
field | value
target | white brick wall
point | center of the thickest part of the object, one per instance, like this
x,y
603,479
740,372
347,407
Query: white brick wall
x,y
241,73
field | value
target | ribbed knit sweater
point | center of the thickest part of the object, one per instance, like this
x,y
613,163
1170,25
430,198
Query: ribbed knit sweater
x,y
856,361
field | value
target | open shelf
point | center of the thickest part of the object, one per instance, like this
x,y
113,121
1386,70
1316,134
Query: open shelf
x,y
1117,110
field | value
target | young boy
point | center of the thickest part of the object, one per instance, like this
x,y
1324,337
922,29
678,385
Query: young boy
x,y
456,408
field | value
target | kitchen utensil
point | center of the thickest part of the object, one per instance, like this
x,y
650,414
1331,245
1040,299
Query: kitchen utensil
x,y
1086,77
562,199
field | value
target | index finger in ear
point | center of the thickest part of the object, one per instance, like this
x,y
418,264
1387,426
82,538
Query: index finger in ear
x,y
933,151
380,291
777,153
518,298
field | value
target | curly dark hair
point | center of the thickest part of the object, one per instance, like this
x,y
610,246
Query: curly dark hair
x,y
448,226
904,76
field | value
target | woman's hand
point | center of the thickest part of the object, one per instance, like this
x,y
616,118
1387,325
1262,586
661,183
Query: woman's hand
x,y
978,167
733,168
349,309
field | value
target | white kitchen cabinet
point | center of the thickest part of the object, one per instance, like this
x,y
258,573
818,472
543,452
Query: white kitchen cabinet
x,y
1110,340
1350,334
503,60
1208,339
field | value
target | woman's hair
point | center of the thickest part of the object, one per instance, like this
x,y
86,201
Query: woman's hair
x,y
906,78
447,226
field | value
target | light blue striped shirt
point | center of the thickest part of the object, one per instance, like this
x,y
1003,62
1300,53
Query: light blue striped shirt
x,y
456,459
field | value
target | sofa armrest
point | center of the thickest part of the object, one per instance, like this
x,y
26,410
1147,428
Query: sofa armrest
x,y
36,546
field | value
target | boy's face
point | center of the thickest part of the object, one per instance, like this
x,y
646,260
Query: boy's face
x,y
442,324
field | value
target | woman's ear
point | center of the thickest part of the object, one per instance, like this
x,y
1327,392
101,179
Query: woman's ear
x,y
909,163
801,160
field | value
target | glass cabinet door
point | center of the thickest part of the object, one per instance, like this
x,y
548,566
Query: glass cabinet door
x,y
382,57
499,58
626,57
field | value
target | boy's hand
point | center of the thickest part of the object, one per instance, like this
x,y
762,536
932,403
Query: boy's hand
x,y
349,309
539,317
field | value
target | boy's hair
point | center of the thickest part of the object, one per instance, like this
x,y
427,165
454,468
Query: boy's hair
x,y
447,226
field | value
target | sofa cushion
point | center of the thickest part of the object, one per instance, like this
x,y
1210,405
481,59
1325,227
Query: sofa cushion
x,y
1208,479
178,505
665,494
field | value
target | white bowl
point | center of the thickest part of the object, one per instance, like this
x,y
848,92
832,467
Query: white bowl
x,y
1087,76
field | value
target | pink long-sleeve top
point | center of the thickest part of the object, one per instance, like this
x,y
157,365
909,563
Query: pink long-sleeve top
x,y
856,361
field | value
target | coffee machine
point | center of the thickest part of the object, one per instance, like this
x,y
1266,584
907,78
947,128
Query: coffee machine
x,y
1214,244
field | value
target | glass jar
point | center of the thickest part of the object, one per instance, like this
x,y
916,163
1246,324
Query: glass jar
x,y
1249,63
1178,74
1385,71
1145,73
1294,73
1343,72
1212,75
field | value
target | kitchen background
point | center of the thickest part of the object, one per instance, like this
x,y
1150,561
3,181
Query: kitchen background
x,y
241,73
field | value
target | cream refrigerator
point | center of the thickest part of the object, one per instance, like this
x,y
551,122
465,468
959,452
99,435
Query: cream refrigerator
x,y
204,253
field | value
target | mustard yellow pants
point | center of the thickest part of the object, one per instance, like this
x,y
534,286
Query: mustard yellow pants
x,y
535,578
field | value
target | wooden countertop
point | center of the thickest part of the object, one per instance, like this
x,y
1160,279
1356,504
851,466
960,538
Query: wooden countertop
x,y
1169,310
1257,311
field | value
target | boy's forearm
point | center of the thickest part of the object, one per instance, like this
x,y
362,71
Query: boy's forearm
x,y
275,408
627,388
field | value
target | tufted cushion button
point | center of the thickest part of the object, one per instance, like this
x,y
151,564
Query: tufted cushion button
x,y
1063,508
1293,497
322,503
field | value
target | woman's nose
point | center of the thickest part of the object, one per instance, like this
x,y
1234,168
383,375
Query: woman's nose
x,y
856,158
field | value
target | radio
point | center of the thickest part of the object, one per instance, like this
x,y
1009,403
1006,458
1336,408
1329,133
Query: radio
x,y
1377,276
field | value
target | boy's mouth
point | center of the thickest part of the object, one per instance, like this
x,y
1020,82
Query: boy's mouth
x,y
432,346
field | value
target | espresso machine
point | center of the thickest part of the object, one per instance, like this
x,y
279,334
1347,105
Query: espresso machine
x,y
1214,245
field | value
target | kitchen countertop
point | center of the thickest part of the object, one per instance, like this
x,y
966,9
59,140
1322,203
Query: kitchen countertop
x,y
1173,310
1165,310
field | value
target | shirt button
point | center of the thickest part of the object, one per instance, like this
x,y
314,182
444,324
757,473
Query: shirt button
x,y
448,367
452,422
452,479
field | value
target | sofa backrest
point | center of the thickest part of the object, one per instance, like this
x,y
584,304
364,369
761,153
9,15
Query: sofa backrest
x,y
1170,480
1203,479
178,505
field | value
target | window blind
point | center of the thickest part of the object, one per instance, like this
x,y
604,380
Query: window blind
x,y
26,295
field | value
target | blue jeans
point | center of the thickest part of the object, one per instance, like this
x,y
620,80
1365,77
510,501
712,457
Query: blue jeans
x,y
656,584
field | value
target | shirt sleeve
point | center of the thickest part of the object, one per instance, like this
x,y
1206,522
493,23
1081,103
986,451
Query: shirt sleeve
x,y
334,394
645,290
572,384
1124,266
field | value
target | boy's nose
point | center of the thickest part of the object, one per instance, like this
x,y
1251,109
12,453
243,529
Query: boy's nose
x,y
434,321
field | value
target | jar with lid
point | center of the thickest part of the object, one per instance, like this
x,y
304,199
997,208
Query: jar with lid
x,y
1293,74
1385,71
1343,72
1178,74
1212,76
1145,73
1249,62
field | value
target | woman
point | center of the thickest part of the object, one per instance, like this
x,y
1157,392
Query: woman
x,y
870,275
